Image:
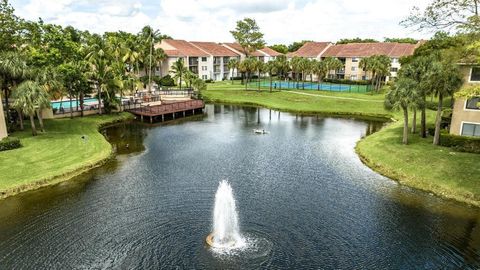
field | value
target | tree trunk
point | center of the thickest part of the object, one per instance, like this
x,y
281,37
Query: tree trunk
x,y
246,81
40,120
414,121
438,120
271,82
99,99
32,122
423,119
405,125
20,118
81,103
7,108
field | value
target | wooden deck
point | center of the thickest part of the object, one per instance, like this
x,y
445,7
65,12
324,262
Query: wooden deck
x,y
167,109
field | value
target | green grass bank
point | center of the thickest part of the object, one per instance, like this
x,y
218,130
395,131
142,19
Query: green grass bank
x,y
57,155
421,165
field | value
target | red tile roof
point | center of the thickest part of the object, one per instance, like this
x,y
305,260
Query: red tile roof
x,y
270,51
310,49
214,49
237,47
368,49
183,48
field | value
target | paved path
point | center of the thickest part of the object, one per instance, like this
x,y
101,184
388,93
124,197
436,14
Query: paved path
x,y
334,97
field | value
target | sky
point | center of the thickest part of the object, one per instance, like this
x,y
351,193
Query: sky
x,y
282,21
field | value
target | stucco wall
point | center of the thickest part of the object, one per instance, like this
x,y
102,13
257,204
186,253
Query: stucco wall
x,y
460,114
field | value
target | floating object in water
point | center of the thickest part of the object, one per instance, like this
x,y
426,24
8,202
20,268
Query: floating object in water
x,y
260,131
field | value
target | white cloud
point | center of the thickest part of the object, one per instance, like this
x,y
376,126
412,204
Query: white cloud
x,y
282,21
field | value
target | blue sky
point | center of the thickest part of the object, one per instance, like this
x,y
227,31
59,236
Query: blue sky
x,y
282,21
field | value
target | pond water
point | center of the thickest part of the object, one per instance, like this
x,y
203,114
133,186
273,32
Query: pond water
x,y
303,197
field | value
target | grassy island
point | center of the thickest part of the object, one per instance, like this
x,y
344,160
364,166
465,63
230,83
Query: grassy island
x,y
57,155
435,169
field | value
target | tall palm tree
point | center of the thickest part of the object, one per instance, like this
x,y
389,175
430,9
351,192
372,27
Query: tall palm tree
x,y
296,64
13,69
178,70
259,67
283,66
401,97
232,65
365,64
271,68
332,63
30,97
321,70
446,79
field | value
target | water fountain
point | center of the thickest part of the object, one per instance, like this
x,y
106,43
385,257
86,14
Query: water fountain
x,y
226,232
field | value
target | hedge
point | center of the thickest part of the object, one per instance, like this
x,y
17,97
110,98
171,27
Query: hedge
x,y
344,81
10,143
461,143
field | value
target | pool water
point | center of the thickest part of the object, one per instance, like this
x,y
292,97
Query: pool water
x,y
66,103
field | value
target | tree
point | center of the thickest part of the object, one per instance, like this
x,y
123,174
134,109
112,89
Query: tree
x,y
356,40
9,27
402,40
199,85
247,66
259,67
178,70
29,98
446,15
282,66
100,70
248,35
13,69
296,64
401,97
332,63
232,65
271,68
148,54
321,70
283,49
444,78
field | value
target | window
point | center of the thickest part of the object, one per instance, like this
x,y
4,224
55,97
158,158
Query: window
x,y
353,77
204,59
354,68
354,60
395,60
475,74
471,129
204,68
473,104
204,77
394,69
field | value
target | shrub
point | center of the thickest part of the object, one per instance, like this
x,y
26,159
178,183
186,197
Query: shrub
x,y
10,143
166,81
209,81
461,143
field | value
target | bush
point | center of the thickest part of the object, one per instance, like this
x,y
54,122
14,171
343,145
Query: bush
x,y
344,81
10,143
209,81
461,143
166,81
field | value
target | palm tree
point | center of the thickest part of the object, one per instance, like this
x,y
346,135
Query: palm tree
x,y
30,97
445,79
321,70
248,66
271,68
332,63
259,67
13,69
190,77
381,64
296,63
232,65
365,64
178,71
401,97
282,66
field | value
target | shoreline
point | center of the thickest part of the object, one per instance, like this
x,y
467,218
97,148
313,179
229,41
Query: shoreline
x,y
88,166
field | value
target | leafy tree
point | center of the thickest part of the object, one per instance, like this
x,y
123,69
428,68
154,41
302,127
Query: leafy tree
x,y
281,48
402,40
9,27
446,15
247,34
356,40
401,97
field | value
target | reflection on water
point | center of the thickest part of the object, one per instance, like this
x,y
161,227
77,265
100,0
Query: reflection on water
x,y
302,193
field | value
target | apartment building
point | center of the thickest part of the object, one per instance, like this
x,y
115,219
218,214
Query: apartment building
x,y
351,54
215,66
466,112
266,54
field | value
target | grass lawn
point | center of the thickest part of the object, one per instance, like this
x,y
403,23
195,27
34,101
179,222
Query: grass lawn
x,y
301,101
56,155
420,164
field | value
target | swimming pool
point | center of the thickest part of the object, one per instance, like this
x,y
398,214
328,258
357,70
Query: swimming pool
x,y
66,103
